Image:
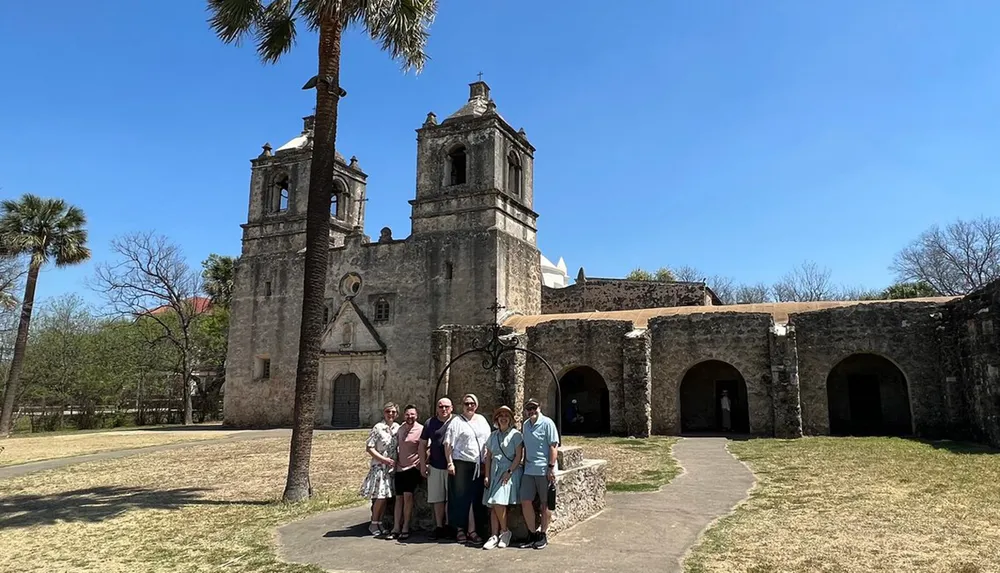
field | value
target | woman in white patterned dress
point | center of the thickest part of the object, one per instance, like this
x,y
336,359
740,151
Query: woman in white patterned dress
x,y
381,446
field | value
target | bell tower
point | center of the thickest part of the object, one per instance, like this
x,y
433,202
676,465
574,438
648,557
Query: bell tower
x,y
474,172
279,182
473,214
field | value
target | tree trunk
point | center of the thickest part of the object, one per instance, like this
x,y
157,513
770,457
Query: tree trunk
x,y
17,362
297,486
188,410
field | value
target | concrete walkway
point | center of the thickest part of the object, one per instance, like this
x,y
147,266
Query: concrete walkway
x,y
55,463
636,532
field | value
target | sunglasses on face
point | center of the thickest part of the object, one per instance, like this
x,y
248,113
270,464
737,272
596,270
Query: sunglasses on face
x,y
470,403
393,412
443,407
531,408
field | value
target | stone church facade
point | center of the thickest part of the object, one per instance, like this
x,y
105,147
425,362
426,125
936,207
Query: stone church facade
x,y
621,357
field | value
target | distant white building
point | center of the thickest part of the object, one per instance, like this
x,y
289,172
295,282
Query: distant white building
x,y
554,276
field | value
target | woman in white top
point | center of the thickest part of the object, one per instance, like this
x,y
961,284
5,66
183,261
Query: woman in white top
x,y
465,452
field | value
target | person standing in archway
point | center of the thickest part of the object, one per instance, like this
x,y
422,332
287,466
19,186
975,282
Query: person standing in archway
x,y
541,441
727,415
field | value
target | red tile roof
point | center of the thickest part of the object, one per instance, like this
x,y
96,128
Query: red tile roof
x,y
201,304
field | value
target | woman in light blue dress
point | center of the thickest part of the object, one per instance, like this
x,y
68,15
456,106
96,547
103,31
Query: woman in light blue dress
x,y
504,456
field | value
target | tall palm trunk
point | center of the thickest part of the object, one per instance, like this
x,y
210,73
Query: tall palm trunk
x,y
297,486
17,362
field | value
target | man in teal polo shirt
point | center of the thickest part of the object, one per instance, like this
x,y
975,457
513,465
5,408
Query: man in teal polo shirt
x,y
540,442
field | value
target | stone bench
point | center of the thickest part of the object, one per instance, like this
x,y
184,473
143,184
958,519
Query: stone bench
x,y
581,486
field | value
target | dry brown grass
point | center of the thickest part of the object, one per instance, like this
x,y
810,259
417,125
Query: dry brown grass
x,y
20,450
206,507
860,505
209,507
633,464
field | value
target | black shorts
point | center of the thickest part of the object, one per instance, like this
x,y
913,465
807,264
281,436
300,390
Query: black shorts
x,y
407,481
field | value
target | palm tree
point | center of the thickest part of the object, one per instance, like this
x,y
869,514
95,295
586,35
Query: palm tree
x,y
400,26
44,230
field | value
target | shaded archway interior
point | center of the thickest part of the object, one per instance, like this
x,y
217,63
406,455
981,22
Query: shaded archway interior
x,y
702,391
868,396
585,402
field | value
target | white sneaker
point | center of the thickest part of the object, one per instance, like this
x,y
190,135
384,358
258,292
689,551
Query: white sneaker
x,y
491,542
504,540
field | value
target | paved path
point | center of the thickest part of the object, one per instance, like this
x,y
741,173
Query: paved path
x,y
636,532
240,435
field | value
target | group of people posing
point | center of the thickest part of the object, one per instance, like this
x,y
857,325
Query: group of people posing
x,y
473,469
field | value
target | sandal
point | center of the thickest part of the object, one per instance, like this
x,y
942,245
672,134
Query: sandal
x,y
404,535
461,537
474,538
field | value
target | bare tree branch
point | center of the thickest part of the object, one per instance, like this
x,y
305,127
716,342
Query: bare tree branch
x,y
151,281
806,282
956,260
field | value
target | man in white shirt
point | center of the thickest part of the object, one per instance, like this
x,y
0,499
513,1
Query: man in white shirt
x,y
464,450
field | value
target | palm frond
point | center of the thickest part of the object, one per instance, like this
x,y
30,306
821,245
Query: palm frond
x,y
401,27
43,229
275,30
232,20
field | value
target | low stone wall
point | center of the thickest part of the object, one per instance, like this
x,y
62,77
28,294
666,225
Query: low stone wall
x,y
581,486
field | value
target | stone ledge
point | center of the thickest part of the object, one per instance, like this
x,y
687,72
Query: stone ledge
x,y
570,457
580,494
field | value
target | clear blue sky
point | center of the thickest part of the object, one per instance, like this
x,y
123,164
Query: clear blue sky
x,y
738,137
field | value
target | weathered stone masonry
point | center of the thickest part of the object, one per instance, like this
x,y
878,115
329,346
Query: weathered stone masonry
x,y
617,294
663,350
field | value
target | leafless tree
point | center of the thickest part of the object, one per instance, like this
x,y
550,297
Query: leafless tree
x,y
751,294
956,260
806,282
151,281
12,271
688,274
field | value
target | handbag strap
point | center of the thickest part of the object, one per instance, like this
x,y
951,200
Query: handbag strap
x,y
500,446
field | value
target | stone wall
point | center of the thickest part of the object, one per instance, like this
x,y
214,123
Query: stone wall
x,y
581,485
973,324
785,383
567,344
906,333
619,294
638,384
682,341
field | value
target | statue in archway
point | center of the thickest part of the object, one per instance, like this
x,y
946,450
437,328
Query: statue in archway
x,y
727,415
573,414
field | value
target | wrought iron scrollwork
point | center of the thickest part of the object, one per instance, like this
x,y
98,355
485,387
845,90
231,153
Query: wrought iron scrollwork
x,y
496,350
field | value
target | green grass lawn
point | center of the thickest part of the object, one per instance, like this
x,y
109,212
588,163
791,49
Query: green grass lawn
x,y
860,505
633,464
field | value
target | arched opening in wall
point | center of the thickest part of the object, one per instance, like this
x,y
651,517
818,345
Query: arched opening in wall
x,y
456,166
585,407
346,400
868,396
714,399
338,199
514,174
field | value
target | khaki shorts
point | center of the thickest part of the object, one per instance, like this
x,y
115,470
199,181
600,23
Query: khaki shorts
x,y
437,485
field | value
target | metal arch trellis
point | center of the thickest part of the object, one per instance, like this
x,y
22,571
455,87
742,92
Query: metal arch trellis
x,y
496,350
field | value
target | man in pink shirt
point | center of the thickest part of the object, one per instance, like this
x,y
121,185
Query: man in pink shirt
x,y
408,475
